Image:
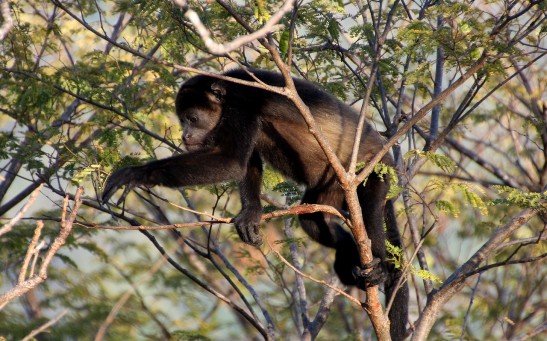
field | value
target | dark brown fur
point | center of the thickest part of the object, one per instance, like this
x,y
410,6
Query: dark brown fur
x,y
230,128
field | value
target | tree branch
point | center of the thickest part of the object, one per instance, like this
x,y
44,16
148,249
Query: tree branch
x,y
341,292
296,210
456,281
218,48
66,228
8,19
7,228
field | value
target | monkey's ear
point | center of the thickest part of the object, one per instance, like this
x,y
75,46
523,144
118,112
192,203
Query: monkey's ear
x,y
219,90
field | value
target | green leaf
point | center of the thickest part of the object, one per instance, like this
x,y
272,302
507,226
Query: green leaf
x,y
287,241
447,207
443,162
261,11
383,171
470,194
289,190
187,335
516,197
333,28
426,275
396,257
85,173
284,42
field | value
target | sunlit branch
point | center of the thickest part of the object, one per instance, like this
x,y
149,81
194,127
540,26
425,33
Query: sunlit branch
x,y
296,210
8,19
218,48
35,279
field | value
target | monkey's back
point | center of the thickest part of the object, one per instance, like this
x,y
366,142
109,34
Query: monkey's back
x,y
285,141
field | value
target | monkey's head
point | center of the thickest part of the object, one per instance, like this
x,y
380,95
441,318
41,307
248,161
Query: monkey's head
x,y
199,109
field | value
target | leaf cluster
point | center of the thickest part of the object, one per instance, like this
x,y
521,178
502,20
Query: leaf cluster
x,y
519,198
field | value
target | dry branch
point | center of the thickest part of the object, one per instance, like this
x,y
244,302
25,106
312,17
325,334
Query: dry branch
x,y
6,228
296,210
44,327
217,48
8,19
339,291
34,280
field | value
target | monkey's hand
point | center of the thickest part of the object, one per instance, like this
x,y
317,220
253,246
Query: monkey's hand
x,y
127,176
371,274
247,224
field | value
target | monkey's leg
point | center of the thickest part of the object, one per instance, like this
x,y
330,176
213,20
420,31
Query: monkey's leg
x,y
372,199
322,229
247,222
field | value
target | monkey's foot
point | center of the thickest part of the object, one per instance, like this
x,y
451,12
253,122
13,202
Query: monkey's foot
x,y
370,275
247,224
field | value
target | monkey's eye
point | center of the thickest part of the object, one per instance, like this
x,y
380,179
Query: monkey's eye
x,y
193,119
218,94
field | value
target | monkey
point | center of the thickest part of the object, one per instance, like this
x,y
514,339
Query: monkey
x,y
229,129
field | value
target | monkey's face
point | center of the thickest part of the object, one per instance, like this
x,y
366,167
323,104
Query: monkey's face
x,y
199,113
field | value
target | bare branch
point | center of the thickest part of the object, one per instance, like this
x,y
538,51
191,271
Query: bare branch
x,y
256,323
125,297
217,48
8,19
542,328
32,251
456,281
44,327
36,279
341,292
296,210
6,228
419,115
504,263
324,309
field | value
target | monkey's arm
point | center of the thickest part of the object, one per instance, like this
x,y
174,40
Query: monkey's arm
x,y
247,222
195,168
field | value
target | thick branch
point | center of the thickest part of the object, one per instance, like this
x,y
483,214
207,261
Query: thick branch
x,y
456,282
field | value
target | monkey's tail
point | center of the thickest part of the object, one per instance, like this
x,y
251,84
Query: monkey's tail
x,y
398,314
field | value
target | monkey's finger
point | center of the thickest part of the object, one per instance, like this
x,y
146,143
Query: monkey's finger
x,y
372,264
127,189
111,186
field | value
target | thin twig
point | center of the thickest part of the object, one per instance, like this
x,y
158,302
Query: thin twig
x,y
296,210
7,228
256,323
542,328
125,297
31,251
341,292
43,327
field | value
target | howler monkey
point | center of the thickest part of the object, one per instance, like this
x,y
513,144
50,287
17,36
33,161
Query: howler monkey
x,y
229,128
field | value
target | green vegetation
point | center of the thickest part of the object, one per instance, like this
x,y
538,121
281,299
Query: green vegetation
x,y
88,87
